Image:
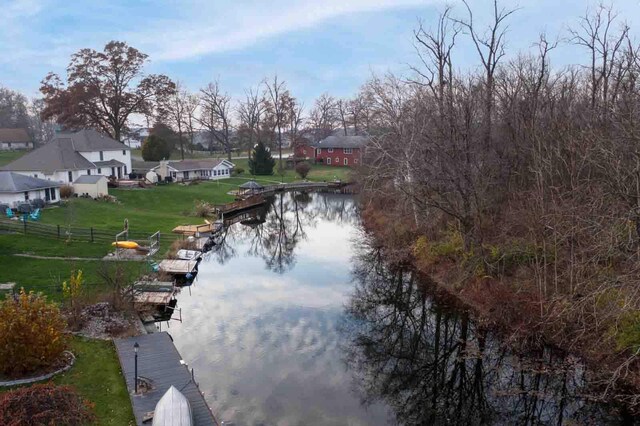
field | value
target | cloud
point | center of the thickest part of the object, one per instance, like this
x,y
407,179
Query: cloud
x,y
212,30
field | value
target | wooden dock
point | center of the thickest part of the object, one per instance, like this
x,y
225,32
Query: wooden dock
x,y
177,266
197,230
160,362
240,205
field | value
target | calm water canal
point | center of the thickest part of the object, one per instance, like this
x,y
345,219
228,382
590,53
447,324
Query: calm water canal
x,y
295,321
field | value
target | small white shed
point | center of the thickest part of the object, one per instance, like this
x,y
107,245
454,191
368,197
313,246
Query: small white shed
x,y
93,186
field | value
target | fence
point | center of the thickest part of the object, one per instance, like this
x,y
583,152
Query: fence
x,y
73,233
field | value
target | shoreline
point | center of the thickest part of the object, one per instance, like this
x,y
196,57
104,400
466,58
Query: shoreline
x,y
497,304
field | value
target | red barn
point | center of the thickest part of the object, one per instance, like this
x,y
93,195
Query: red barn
x,y
335,150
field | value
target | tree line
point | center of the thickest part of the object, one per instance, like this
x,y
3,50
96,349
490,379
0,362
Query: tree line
x,y
107,89
520,165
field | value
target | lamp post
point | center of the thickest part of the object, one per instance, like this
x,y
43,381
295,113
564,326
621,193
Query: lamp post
x,y
135,350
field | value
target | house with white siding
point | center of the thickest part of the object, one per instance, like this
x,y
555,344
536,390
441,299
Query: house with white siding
x,y
16,189
68,156
201,169
14,139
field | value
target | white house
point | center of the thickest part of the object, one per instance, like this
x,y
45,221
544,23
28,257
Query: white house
x,y
16,189
12,139
71,155
207,169
93,186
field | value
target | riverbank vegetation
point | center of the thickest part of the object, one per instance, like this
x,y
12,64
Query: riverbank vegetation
x,y
517,186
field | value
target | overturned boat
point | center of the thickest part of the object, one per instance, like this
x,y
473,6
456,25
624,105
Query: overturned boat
x,y
173,409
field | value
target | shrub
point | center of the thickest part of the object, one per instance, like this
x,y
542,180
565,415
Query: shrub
x,y
31,334
203,209
627,334
238,170
66,191
303,169
44,404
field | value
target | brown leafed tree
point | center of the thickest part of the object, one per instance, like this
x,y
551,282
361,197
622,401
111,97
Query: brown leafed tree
x,y
103,89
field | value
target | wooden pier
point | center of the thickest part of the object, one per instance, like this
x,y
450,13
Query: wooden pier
x,y
178,267
160,363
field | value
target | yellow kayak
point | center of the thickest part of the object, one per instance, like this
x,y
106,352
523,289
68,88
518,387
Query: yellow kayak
x,y
126,244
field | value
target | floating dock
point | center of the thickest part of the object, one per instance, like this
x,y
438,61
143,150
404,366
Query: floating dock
x,y
178,267
160,363
196,230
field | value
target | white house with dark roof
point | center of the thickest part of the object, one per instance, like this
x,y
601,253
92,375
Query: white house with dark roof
x,y
14,139
203,169
16,188
70,155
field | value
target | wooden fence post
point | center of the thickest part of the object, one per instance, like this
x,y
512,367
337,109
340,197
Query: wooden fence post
x,y
92,234
24,221
58,231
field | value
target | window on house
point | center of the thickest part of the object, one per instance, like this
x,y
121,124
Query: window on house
x,y
89,172
70,175
355,161
330,150
328,161
9,144
26,196
337,160
125,170
124,152
101,156
99,171
53,194
347,150
319,151
35,175
346,161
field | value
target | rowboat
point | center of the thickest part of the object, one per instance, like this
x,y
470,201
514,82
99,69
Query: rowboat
x,y
173,409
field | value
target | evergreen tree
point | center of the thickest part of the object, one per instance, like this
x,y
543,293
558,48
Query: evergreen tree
x,y
261,162
155,148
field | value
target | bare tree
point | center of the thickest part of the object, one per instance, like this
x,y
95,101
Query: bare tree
x,y
324,116
250,111
216,115
275,91
177,113
490,47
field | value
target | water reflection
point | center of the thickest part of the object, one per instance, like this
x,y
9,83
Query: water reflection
x,y
274,230
433,365
260,328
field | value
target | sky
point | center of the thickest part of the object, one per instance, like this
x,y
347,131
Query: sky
x,y
315,46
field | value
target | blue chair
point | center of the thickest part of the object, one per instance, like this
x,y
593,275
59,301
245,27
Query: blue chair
x,y
10,214
35,215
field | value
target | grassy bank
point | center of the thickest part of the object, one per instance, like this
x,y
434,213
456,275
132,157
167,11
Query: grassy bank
x,y
97,377
47,275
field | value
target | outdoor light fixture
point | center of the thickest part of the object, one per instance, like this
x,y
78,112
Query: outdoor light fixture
x,y
136,346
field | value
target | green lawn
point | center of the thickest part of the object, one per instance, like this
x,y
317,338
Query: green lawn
x,y
47,275
8,156
97,377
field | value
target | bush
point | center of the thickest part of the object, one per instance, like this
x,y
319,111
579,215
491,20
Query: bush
x,y
203,209
238,170
303,169
31,334
44,404
66,191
